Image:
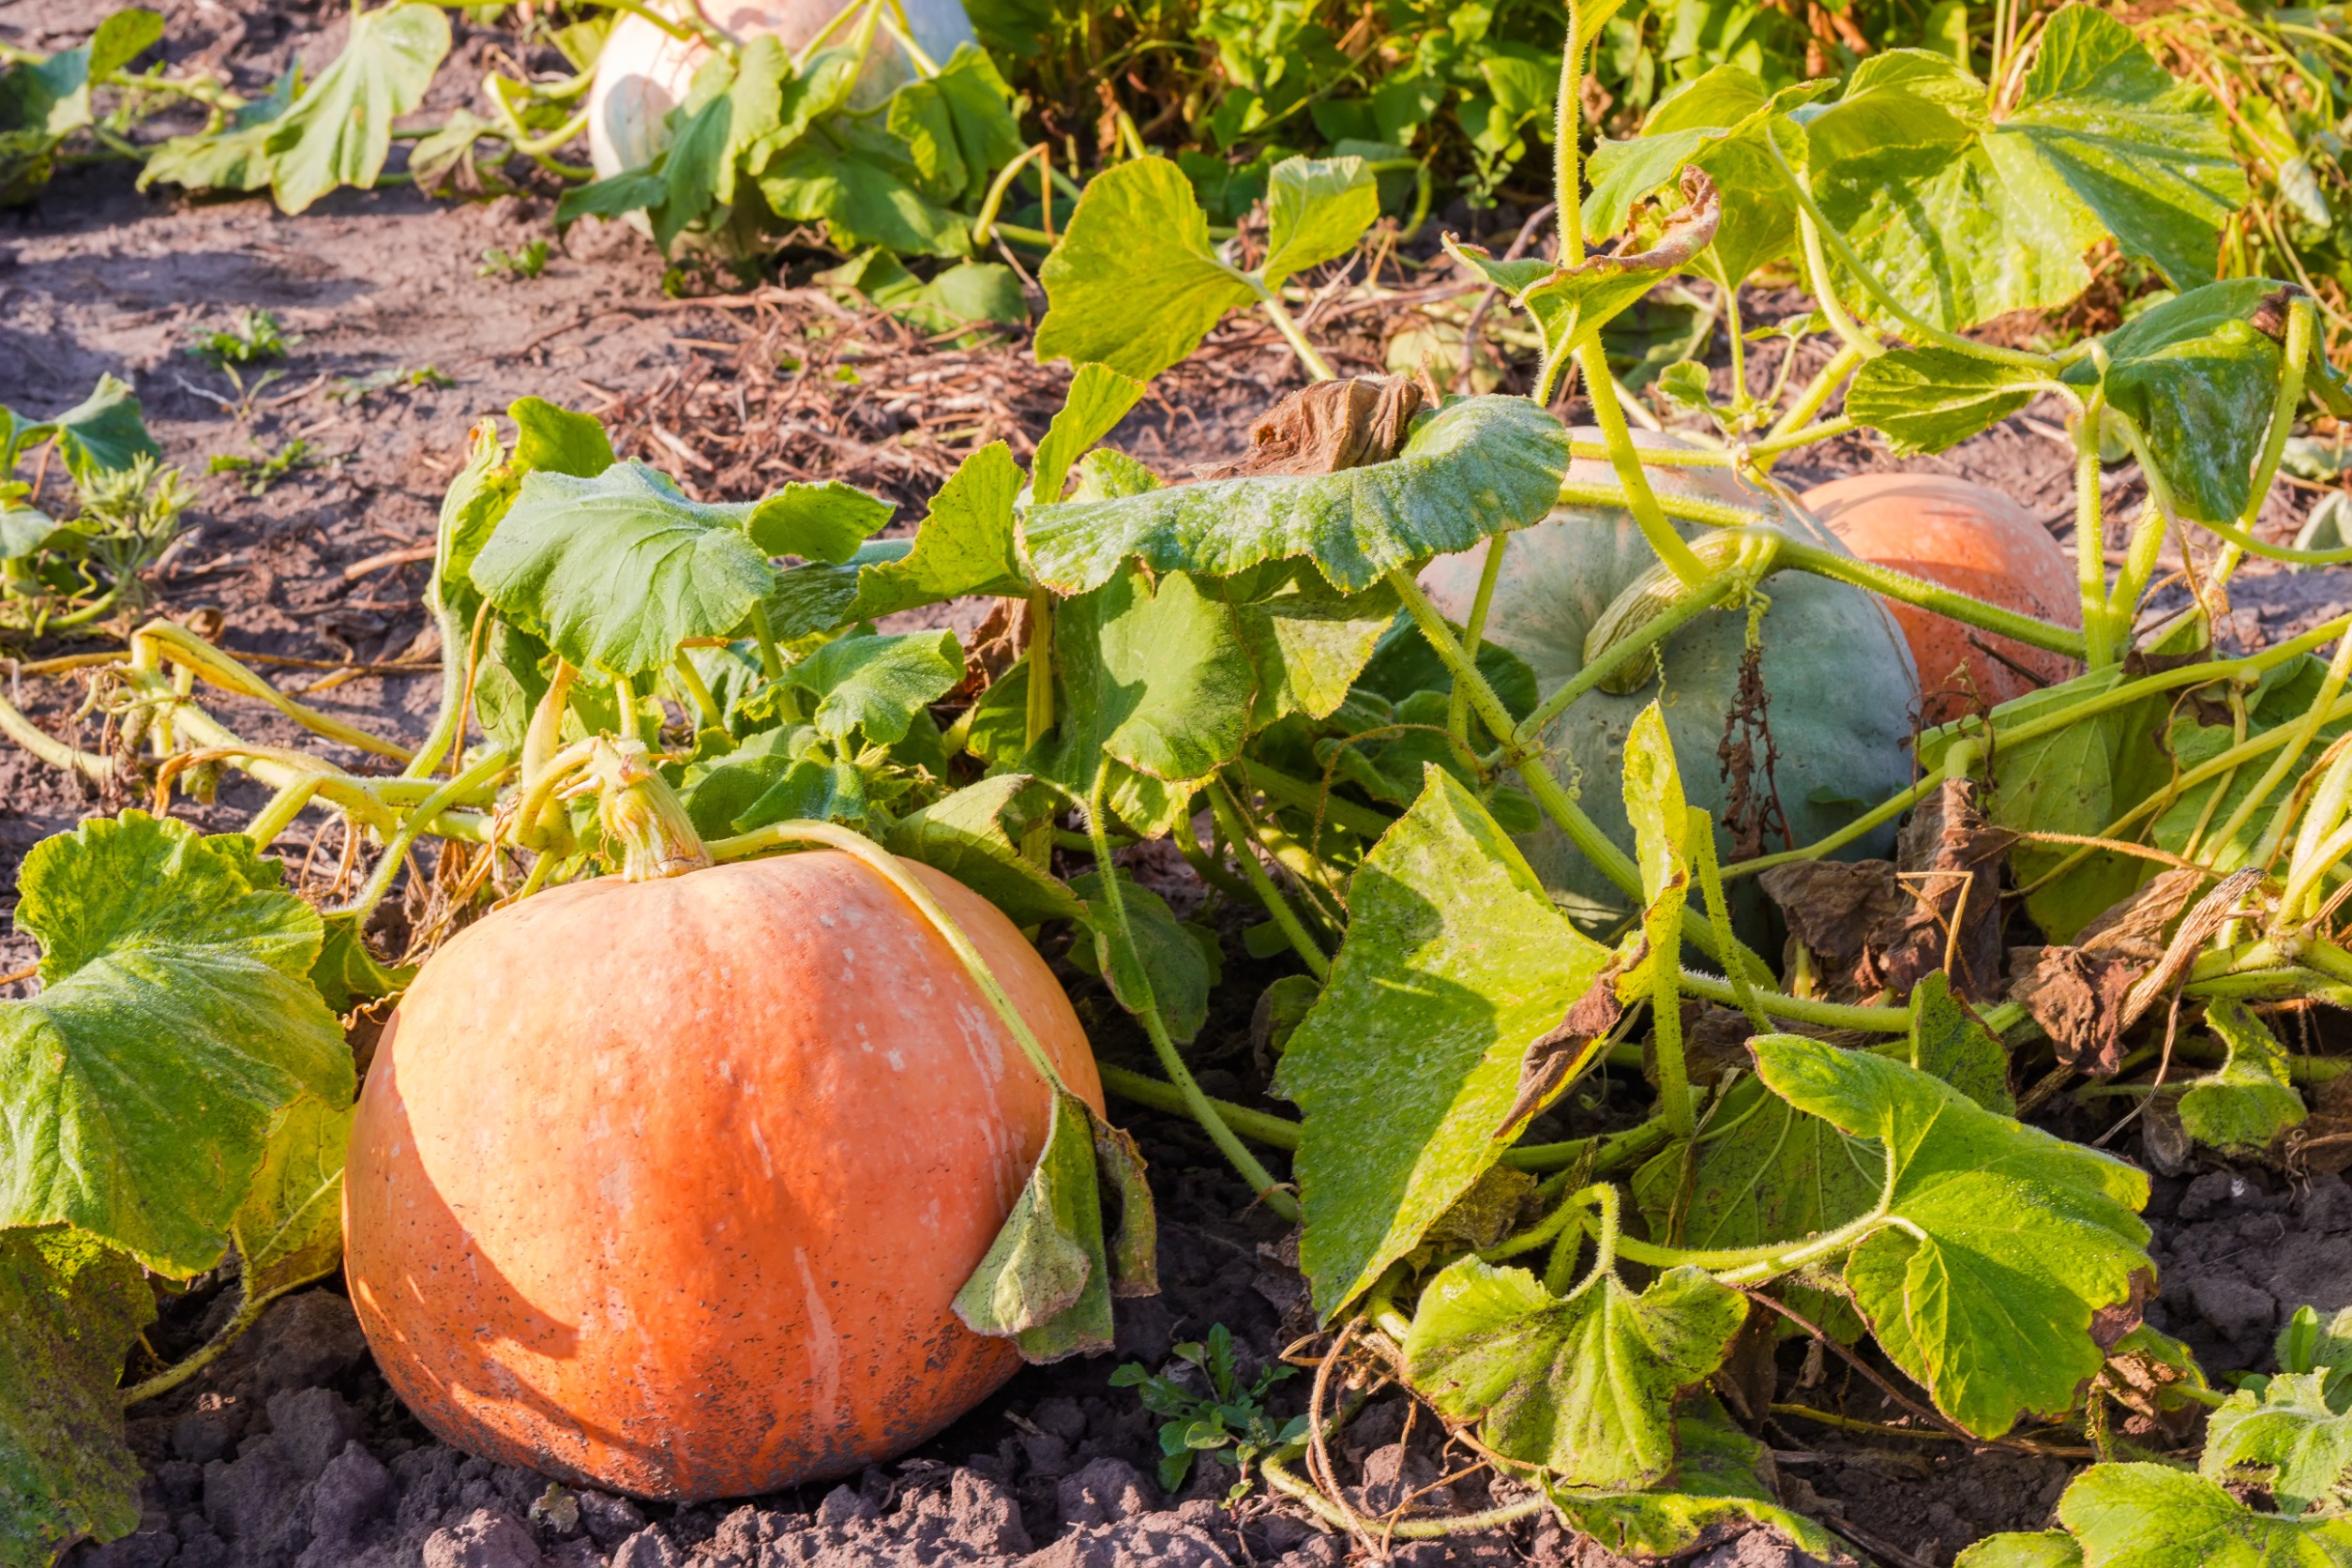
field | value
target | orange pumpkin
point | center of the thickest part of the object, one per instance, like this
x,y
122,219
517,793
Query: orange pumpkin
x,y
667,1186
1976,541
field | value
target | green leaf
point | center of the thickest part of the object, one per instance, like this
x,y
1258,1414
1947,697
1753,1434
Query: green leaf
x,y
823,86
825,520
122,39
2144,154
1134,284
1309,645
958,127
1455,963
1156,679
2041,1548
1478,466
1584,1385
2197,378
1098,399
859,181
290,1230
2244,1106
964,546
1928,400
1316,208
878,684
176,1018
1044,1283
70,1312
1169,964
615,196
1951,1043
1965,217
1998,1244
2294,1439
1655,805
553,440
340,131
1723,1483
347,974
975,836
105,432
236,156
616,570
2155,1517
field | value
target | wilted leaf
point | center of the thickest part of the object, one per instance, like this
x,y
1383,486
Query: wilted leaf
x,y
176,1018
1329,426
1044,1283
1723,1481
1454,963
1584,1385
2241,1107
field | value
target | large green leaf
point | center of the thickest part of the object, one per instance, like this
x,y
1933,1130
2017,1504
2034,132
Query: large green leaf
x,y
340,131
860,181
878,684
1584,1385
2242,1106
2294,1439
1966,218
1478,466
1316,208
1455,963
616,570
1309,645
2155,1517
104,434
176,1018
1927,399
2197,378
1723,1482
1134,284
1155,677
1998,1242
958,126
69,1311
1172,965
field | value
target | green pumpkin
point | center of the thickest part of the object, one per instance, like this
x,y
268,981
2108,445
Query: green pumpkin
x,y
1842,687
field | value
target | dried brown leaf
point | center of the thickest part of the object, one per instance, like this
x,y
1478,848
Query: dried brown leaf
x,y
1328,427
1554,1060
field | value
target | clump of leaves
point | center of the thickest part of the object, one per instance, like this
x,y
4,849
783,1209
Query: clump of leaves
x,y
255,340
354,389
1228,1423
61,572
523,261
258,472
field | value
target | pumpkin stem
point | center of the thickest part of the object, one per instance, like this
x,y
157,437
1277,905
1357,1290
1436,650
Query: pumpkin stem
x,y
638,808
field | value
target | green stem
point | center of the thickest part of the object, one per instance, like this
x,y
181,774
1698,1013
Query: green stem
x,y
1903,589
2305,728
1237,832
770,659
1568,144
1818,391
1259,1180
1605,1237
1317,367
700,690
2301,338
278,814
1618,655
1640,498
1824,284
492,763
1709,873
1275,1131
1301,796
1489,572
2090,537
1753,1265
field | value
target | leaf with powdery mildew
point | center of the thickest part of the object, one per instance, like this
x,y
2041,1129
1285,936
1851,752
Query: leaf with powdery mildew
x,y
1455,962
1996,1245
69,1311
1583,1385
176,1020
2294,1439
2154,1517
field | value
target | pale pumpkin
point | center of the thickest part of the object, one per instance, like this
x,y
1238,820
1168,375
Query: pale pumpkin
x,y
1976,541
665,1188
1841,681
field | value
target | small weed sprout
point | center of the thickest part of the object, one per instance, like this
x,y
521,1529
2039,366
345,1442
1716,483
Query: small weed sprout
x,y
524,262
1230,1424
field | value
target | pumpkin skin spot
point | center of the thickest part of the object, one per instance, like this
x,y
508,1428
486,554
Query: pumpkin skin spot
x,y
576,1243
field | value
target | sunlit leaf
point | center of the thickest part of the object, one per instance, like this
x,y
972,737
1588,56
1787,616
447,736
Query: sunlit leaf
x,y
1927,399
1134,284
2148,1515
2242,1106
175,1020
340,130
1455,963
975,836
878,684
1316,208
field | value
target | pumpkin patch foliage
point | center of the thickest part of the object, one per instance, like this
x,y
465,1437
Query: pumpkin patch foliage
x,y
1494,725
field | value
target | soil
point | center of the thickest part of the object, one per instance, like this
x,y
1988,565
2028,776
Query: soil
x,y
291,1448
